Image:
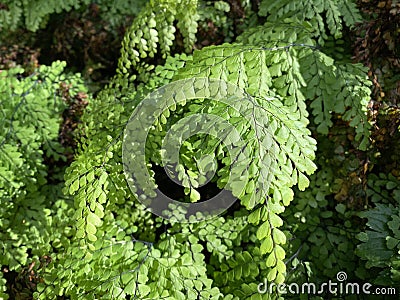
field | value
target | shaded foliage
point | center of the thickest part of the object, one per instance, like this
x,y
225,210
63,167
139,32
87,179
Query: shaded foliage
x,y
72,228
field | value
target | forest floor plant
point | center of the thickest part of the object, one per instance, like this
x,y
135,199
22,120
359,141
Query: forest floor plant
x,y
305,159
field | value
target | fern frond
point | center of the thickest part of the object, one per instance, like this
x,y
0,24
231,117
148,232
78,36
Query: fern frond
x,y
158,35
32,109
380,243
340,88
317,12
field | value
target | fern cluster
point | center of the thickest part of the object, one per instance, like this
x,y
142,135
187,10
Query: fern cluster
x,y
322,233
34,15
30,191
288,170
284,71
381,241
163,19
327,17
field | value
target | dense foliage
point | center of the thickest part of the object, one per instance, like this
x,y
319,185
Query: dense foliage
x,y
35,14
317,178
32,155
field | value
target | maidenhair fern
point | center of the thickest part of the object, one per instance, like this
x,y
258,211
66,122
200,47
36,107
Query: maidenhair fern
x,y
380,243
32,12
332,87
294,219
322,235
31,118
105,245
34,15
162,19
327,17
122,251
32,110
342,89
